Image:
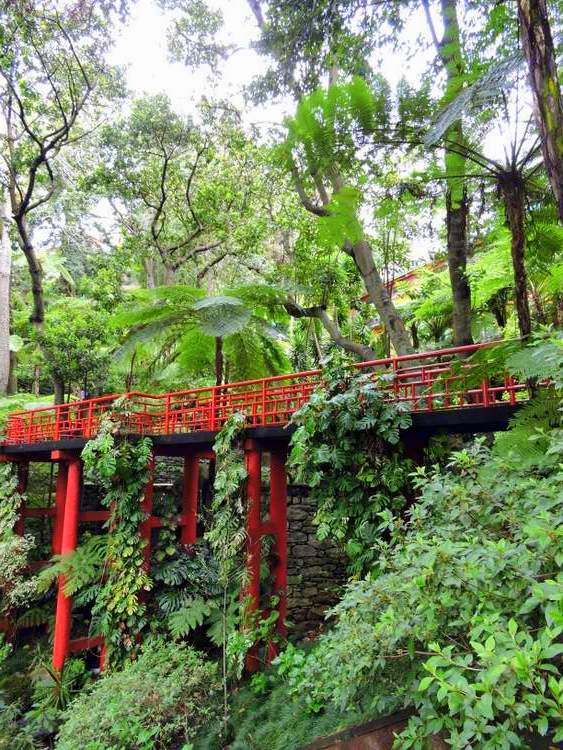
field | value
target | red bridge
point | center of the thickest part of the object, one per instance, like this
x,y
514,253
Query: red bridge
x,y
435,385
428,382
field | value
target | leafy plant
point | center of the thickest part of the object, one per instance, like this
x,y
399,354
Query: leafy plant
x,y
122,469
468,604
346,449
160,700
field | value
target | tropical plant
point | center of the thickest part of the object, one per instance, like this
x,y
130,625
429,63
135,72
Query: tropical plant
x,y
346,449
468,601
239,334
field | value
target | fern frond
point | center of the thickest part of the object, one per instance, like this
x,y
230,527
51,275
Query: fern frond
x,y
191,616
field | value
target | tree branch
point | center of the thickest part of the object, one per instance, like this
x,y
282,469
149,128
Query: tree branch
x,y
306,202
331,327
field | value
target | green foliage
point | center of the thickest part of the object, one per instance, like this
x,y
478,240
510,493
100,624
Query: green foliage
x,y
160,700
82,569
327,123
179,326
227,533
74,342
468,604
17,588
267,718
10,499
122,469
346,449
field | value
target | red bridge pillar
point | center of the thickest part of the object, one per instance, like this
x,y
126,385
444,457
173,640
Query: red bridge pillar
x,y
278,516
68,542
254,533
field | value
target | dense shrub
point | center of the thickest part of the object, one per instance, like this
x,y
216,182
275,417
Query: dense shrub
x,y
468,602
158,701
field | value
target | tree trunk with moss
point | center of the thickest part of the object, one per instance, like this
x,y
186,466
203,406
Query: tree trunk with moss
x,y
456,196
537,42
5,272
512,189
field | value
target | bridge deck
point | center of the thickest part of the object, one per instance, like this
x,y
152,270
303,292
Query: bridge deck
x,y
430,383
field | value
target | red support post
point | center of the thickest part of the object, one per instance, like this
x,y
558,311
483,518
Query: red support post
x,y
254,532
60,495
278,517
69,538
190,496
23,477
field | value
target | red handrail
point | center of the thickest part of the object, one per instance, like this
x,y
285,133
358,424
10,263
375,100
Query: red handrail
x,y
424,380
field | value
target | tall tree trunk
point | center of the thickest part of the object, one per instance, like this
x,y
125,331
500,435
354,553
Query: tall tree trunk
x,y
512,189
13,378
363,257
150,273
59,388
35,271
537,43
219,360
456,222
5,272
36,385
456,198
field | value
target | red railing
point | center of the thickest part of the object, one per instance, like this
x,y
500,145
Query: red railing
x,y
429,381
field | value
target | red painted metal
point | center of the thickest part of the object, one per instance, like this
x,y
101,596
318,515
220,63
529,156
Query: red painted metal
x,y
254,533
190,496
60,494
426,382
69,538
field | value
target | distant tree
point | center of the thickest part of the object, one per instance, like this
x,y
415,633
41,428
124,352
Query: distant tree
x,y
74,343
51,66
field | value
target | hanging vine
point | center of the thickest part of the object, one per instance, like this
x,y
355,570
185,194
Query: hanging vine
x,y
121,468
346,449
10,499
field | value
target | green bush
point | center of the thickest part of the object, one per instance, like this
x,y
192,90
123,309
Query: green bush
x,y
468,603
159,701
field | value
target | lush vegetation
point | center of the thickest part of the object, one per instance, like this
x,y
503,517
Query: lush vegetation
x,y
149,244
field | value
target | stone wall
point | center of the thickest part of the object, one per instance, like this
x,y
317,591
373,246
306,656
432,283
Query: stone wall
x,y
316,570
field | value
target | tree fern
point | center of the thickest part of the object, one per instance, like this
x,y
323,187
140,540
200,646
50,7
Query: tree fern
x,y
81,568
181,325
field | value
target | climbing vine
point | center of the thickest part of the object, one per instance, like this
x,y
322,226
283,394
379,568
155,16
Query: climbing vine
x,y
121,468
227,533
10,499
346,449
17,588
